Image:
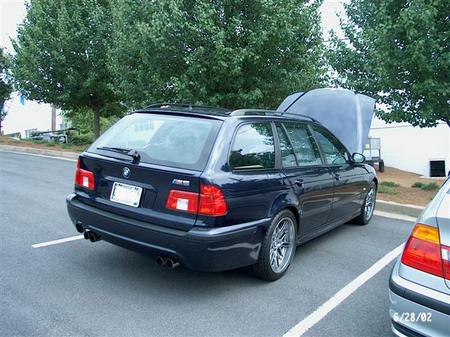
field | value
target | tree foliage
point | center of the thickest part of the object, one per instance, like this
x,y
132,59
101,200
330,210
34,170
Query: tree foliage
x,y
5,86
61,56
399,52
229,53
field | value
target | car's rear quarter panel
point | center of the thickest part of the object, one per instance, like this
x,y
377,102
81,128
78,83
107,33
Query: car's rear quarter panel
x,y
251,195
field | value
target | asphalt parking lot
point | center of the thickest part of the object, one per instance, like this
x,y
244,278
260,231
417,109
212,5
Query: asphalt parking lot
x,y
78,288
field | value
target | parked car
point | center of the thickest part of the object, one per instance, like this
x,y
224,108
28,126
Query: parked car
x,y
215,189
419,286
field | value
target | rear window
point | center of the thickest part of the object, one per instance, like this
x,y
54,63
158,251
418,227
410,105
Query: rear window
x,y
175,141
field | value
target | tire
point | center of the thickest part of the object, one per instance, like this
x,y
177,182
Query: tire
x,y
264,268
366,210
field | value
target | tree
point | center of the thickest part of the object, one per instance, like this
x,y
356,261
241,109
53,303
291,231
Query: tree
x,y
5,87
229,53
398,51
61,56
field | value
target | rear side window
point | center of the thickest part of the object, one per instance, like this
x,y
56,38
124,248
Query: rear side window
x,y
305,147
287,152
253,147
175,141
334,152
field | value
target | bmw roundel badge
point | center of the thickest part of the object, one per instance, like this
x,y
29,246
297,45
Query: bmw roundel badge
x,y
126,172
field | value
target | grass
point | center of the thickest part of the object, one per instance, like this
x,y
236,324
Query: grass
x,y
386,190
389,184
425,186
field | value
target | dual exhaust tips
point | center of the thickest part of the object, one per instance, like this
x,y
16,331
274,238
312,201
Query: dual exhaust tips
x,y
163,261
91,236
87,233
167,261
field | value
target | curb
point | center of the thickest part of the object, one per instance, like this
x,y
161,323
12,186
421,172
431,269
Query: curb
x,y
395,207
43,152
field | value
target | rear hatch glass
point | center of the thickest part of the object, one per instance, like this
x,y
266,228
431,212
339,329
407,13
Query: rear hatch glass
x,y
173,153
175,141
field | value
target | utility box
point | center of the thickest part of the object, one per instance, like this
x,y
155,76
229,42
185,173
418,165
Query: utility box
x,y
372,152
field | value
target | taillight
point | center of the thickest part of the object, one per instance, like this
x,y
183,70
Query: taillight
x,y
84,178
182,201
210,201
423,251
445,252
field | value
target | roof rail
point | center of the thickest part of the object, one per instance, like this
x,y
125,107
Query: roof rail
x,y
262,112
297,116
186,106
253,112
168,105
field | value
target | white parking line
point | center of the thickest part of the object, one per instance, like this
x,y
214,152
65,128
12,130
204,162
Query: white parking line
x,y
306,324
55,242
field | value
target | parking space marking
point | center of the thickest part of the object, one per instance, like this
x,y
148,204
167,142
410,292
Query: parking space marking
x,y
55,242
303,326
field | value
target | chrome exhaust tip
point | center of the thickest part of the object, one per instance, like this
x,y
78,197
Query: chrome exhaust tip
x,y
172,263
93,237
161,261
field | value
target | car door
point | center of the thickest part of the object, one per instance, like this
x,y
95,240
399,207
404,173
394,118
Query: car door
x,y
310,179
350,182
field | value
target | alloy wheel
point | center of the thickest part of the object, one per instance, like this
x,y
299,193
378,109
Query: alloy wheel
x,y
370,203
282,245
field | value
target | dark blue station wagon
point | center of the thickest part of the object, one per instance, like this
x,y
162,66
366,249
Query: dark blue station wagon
x,y
214,189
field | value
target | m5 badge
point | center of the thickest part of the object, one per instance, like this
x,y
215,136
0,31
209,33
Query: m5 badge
x,y
181,182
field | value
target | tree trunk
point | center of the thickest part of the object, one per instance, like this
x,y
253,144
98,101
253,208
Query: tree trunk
x,y
96,122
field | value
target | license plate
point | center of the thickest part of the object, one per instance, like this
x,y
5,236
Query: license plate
x,y
126,194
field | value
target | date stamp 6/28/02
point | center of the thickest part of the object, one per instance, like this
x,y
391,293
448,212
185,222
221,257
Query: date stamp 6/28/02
x,y
412,317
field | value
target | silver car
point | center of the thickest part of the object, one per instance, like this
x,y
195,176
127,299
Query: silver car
x,y
419,286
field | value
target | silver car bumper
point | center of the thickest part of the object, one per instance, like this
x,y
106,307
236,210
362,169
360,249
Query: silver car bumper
x,y
416,310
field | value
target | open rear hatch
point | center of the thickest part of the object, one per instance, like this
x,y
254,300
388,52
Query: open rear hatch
x,y
169,153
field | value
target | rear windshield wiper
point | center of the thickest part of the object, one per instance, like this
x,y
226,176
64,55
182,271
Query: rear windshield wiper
x,y
128,152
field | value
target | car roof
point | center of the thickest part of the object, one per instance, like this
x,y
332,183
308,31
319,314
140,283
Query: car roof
x,y
219,113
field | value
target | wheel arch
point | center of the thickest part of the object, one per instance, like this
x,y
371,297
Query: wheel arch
x,y
375,180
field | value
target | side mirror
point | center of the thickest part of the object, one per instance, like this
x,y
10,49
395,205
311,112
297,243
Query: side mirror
x,y
358,158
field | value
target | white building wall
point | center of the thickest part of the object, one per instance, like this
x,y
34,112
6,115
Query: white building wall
x,y
411,148
28,116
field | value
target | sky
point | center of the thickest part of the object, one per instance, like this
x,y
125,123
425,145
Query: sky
x,y
34,115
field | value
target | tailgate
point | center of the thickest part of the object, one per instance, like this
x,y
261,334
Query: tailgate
x,y
153,184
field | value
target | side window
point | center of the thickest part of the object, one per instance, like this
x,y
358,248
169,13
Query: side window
x,y
253,147
305,148
287,152
334,152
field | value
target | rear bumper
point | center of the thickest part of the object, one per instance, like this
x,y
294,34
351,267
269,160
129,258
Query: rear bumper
x,y
416,310
205,249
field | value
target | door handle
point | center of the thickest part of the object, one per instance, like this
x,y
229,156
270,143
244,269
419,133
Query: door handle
x,y
299,182
337,176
